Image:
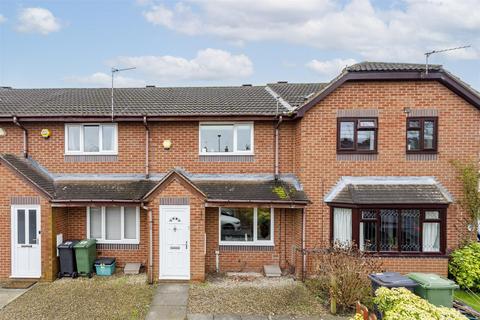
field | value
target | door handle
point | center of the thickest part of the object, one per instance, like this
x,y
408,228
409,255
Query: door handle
x,y
186,244
26,246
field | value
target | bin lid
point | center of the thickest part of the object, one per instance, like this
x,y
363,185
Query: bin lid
x,y
105,261
86,243
69,244
392,279
432,280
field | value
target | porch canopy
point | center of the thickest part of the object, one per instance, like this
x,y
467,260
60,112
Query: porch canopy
x,y
218,189
362,191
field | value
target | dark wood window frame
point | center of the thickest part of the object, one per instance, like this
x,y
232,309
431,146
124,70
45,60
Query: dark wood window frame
x,y
356,219
356,129
421,131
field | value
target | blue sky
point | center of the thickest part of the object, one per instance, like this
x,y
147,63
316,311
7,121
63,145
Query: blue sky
x,y
69,43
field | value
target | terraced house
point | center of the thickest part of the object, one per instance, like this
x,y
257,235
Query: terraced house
x,y
194,180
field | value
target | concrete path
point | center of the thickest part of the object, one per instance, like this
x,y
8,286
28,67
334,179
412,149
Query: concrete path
x,y
8,295
169,302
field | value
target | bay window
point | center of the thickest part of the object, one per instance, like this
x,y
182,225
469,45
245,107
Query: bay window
x,y
226,138
355,135
246,226
91,138
114,224
390,230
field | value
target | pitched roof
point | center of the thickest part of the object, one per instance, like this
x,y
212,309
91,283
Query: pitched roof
x,y
296,93
252,191
391,66
227,188
181,101
388,190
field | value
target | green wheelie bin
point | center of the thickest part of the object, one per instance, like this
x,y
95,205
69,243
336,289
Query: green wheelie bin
x,y
435,289
86,253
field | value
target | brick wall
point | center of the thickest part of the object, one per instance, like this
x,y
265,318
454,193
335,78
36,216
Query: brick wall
x,y
12,185
131,146
319,170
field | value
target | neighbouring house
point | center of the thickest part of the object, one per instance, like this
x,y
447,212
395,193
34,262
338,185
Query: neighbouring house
x,y
188,181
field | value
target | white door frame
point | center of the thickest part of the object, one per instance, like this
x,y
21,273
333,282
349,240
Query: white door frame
x,y
13,230
161,245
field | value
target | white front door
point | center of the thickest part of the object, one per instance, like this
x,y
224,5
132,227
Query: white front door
x,y
26,249
175,242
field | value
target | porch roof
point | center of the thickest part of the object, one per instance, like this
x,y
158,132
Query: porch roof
x,y
388,190
85,188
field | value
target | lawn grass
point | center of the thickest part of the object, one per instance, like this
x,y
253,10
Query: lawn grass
x,y
467,298
116,297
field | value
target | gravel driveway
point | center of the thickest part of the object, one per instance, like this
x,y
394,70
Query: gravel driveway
x,y
254,296
116,297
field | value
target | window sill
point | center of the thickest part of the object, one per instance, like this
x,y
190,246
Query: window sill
x,y
247,244
407,255
226,154
356,152
245,248
117,242
90,154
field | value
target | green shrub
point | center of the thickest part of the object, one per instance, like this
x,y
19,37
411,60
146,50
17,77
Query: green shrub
x,y
399,304
465,266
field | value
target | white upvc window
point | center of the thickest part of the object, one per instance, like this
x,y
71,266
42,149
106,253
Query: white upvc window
x,y
91,139
246,226
114,224
226,138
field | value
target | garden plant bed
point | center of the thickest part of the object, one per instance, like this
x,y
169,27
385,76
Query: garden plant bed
x,y
116,297
254,296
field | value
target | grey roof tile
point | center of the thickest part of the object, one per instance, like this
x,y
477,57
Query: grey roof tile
x,y
296,93
391,66
390,194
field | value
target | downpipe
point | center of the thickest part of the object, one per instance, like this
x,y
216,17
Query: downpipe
x,y
25,136
277,147
150,247
147,147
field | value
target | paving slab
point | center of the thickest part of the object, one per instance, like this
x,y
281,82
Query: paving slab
x,y
169,302
227,317
167,313
170,299
200,316
8,295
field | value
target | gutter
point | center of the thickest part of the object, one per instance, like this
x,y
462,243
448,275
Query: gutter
x,y
25,136
303,202
147,142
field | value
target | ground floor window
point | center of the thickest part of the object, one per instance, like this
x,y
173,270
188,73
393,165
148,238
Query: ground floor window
x,y
246,226
390,230
114,224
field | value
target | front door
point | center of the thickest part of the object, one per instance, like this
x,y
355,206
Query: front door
x,y
175,242
26,250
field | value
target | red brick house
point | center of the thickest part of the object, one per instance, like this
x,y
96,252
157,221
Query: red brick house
x,y
187,181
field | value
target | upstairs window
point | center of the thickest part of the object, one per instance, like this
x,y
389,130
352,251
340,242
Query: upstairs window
x,y
226,138
357,135
91,138
421,135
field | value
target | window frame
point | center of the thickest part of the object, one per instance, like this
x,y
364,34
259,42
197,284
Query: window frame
x,y
356,220
356,121
421,129
123,240
255,241
235,126
100,139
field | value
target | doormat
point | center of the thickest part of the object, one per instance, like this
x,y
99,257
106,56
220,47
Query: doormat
x,y
18,284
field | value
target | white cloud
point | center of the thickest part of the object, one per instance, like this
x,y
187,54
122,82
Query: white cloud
x,y
100,79
208,64
2,19
37,20
403,33
330,68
